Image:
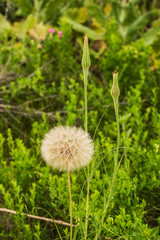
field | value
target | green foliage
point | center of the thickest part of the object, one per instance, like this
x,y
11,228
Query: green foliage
x,y
129,20
43,10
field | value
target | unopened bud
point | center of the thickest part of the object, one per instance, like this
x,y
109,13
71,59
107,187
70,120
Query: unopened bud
x,y
86,62
115,91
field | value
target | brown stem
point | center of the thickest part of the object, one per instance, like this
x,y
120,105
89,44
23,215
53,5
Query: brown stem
x,y
35,217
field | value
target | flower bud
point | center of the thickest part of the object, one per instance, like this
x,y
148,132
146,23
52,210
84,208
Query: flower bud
x,y
86,62
115,91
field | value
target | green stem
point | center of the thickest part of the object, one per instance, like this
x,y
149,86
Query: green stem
x,y
85,73
118,131
70,207
87,203
115,167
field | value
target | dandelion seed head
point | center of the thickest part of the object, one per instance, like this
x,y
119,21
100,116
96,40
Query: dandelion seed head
x,y
67,148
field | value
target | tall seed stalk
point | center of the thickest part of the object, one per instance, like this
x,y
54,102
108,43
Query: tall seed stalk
x,y
70,206
115,92
86,63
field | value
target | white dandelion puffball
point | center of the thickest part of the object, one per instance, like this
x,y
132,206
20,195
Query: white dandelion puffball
x,y
67,148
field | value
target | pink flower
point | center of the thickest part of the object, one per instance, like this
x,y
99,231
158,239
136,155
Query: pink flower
x,y
51,30
60,34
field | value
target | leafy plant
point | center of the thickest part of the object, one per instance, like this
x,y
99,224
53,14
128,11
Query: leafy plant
x,y
129,18
42,10
129,21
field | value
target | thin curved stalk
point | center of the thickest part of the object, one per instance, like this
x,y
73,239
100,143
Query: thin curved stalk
x,y
114,174
85,73
70,206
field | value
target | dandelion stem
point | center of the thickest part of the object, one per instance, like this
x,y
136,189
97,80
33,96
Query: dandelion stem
x,y
115,94
85,73
118,132
87,204
85,65
70,207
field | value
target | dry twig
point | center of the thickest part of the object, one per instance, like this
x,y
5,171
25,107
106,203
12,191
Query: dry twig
x,y
35,217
